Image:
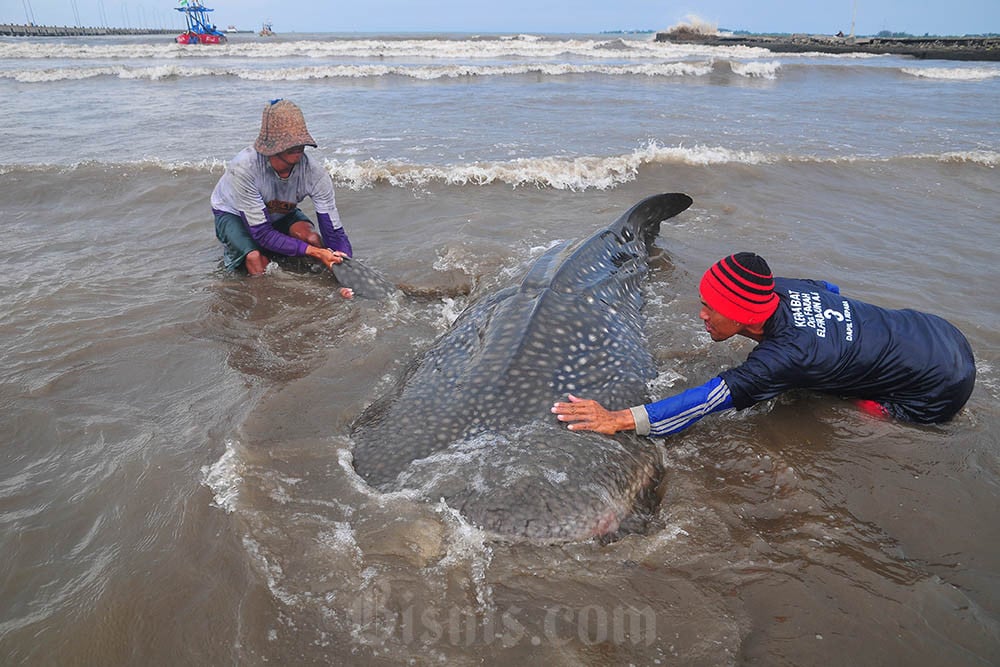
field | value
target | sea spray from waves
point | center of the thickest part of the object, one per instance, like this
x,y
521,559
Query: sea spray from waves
x,y
581,173
330,48
591,172
423,73
224,478
763,70
954,73
556,172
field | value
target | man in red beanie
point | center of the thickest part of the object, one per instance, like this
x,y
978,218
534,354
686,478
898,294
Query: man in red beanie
x,y
911,365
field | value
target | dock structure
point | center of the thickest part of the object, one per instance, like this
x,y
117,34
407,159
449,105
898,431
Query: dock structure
x,y
28,30
941,48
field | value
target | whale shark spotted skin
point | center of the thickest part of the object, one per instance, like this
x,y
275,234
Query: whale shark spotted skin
x,y
365,282
470,422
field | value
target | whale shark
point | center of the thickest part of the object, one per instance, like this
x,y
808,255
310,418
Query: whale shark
x,y
469,420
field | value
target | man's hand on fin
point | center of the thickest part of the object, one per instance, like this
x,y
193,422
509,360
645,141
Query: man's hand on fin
x,y
589,415
325,255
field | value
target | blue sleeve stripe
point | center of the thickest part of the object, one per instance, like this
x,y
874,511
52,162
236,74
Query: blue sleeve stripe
x,y
678,412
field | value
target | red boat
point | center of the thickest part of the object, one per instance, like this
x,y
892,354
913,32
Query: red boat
x,y
199,30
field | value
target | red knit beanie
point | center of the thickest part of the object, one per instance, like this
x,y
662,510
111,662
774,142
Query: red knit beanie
x,y
741,288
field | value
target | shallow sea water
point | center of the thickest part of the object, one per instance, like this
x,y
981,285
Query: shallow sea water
x,y
176,481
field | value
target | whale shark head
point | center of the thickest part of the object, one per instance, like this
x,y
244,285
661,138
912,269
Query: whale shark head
x,y
539,481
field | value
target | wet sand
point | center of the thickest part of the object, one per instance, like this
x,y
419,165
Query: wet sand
x,y
934,48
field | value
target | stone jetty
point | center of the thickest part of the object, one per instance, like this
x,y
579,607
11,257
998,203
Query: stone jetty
x,y
937,48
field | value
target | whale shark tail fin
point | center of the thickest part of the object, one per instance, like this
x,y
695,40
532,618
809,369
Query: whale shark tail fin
x,y
364,280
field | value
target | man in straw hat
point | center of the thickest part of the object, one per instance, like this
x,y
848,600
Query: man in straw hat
x,y
901,363
256,201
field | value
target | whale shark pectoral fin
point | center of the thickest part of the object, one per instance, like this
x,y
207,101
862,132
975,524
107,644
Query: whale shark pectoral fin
x,y
645,217
661,207
365,281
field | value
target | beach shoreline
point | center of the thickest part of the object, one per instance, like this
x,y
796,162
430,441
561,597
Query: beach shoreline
x,y
923,48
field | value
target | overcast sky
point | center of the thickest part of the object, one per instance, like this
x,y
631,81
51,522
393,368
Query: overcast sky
x,y
951,17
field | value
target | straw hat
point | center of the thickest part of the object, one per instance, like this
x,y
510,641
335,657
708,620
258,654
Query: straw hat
x,y
282,127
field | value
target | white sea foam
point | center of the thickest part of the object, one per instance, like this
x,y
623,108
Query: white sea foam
x,y
521,37
985,158
120,71
342,539
987,379
580,173
224,478
272,571
468,545
756,69
464,49
954,73
450,310
420,72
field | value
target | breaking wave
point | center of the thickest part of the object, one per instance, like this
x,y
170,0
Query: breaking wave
x,y
954,73
561,173
224,478
589,172
437,49
755,69
421,72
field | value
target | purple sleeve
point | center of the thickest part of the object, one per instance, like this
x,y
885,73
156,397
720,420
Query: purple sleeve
x,y
335,238
271,239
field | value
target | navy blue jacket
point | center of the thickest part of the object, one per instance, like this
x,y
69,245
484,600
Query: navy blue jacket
x,y
919,366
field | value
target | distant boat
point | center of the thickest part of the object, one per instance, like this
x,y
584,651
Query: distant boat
x,y
199,30
265,30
